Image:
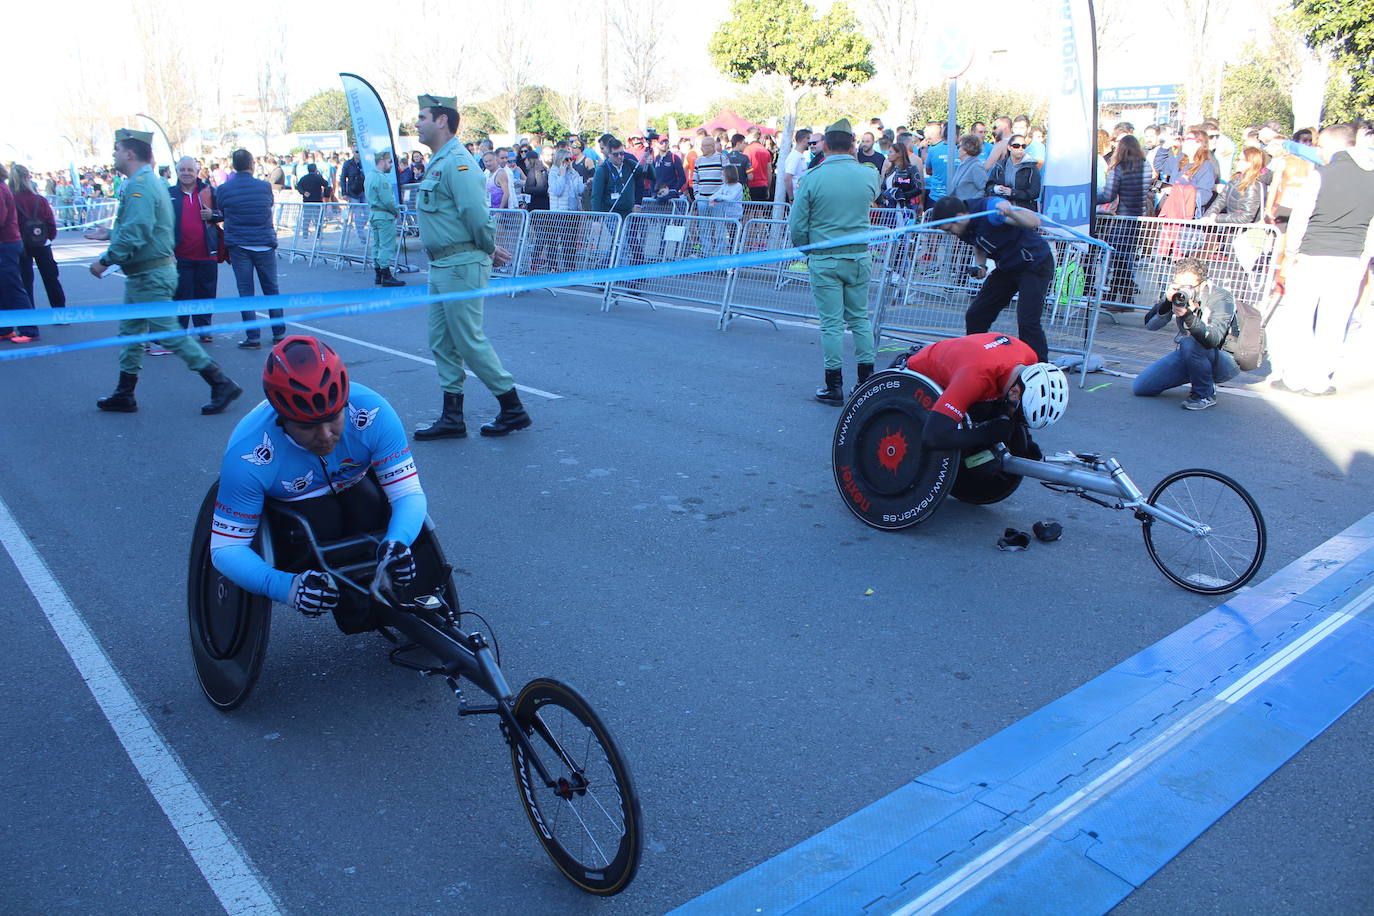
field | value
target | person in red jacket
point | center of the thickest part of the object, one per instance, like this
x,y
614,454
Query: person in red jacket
x,y
12,292
33,206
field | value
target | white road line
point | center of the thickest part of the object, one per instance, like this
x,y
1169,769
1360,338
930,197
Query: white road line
x,y
539,392
227,869
973,873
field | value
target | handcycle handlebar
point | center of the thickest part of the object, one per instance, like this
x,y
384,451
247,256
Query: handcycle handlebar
x,y
379,589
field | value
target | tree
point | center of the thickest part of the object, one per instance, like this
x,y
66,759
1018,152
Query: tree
x,y
169,87
899,26
540,119
477,123
1196,22
512,62
271,86
569,105
639,31
325,110
785,39
977,102
1345,29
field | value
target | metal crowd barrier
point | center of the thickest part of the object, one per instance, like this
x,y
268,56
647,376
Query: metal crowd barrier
x,y
931,291
82,211
1239,256
561,241
288,220
511,228
783,289
648,238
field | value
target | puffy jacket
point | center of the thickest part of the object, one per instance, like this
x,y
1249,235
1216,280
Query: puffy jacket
x,y
246,203
1026,192
1236,206
565,190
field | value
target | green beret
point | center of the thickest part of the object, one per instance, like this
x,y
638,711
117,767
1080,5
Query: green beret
x,y
840,127
438,101
125,133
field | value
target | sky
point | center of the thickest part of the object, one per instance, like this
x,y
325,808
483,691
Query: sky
x,y
564,39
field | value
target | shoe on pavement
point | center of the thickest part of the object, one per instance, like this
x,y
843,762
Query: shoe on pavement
x,y
20,338
1196,403
206,338
250,344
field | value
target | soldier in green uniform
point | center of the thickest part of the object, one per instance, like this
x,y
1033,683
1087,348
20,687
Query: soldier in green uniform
x,y
833,202
380,193
141,243
459,235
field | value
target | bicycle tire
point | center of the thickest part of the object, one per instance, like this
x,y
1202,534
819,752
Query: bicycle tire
x,y
601,787
229,628
1219,555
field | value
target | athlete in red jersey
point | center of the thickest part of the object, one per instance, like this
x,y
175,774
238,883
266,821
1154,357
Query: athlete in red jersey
x,y
996,371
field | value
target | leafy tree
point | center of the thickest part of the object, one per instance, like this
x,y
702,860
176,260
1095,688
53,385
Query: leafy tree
x,y
977,102
1345,28
540,119
685,120
476,123
785,39
326,110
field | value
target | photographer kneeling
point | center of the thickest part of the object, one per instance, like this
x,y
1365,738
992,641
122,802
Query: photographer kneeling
x,y
1205,316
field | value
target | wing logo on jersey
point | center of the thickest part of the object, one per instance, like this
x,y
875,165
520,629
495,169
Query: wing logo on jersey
x,y
262,454
300,484
361,418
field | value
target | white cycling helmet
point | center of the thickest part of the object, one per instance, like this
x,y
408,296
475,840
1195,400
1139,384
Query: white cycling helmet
x,y
1046,394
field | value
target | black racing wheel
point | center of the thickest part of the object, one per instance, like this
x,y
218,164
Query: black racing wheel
x,y
229,626
884,476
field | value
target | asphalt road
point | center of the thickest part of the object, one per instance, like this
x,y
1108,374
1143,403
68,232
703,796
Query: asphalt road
x,y
668,538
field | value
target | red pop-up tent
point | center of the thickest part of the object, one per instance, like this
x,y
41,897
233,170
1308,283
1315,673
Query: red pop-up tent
x,y
731,122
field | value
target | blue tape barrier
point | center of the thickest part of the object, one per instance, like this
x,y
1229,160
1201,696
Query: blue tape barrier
x,y
360,302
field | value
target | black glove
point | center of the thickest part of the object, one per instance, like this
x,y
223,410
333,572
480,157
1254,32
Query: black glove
x,y
998,429
313,593
398,560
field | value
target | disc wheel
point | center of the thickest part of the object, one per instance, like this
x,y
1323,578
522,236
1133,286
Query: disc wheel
x,y
1232,548
229,627
883,474
588,820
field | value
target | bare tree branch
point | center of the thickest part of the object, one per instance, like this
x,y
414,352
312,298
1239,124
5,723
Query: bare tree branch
x,y
897,28
639,33
512,61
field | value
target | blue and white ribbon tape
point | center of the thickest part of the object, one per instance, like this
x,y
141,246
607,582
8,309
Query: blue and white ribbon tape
x,y
361,302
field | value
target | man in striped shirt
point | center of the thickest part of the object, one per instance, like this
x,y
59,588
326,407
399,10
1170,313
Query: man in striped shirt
x,y
707,178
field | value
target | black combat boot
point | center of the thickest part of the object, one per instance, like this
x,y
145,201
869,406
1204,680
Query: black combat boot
x,y
511,417
865,370
450,424
122,401
385,278
223,389
376,276
833,392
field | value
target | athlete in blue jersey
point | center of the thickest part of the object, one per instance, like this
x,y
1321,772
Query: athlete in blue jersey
x,y
330,448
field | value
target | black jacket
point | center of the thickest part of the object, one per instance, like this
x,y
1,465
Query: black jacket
x,y
1210,325
1236,206
313,188
1026,192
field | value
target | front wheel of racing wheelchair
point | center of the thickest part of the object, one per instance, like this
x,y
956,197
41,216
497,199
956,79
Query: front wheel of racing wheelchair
x,y
886,478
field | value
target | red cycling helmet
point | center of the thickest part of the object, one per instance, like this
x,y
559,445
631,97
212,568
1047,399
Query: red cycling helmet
x,y
304,380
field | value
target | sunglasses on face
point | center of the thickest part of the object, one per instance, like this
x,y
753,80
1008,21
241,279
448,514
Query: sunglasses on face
x,y
1018,146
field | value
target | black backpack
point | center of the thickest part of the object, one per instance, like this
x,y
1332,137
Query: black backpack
x,y
33,232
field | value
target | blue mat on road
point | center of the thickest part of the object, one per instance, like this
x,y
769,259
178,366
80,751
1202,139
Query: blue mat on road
x,y
1076,805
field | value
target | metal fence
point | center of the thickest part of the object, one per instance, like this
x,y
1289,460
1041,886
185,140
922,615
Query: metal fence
x,y
1144,250
562,241
510,234
931,291
82,211
783,289
647,238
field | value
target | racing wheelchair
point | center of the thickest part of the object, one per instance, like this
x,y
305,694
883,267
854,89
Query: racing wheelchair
x,y
572,779
1201,528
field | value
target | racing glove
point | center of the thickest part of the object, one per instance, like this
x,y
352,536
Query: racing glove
x,y
399,562
313,593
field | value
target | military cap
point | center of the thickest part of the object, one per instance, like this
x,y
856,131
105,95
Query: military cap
x,y
125,133
438,101
382,153
840,127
